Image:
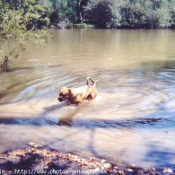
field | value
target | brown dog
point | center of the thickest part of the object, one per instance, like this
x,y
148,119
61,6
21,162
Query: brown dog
x,y
77,95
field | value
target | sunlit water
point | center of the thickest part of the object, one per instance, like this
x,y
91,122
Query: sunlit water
x,y
132,120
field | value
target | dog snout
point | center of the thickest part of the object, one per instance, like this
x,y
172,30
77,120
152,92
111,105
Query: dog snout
x,y
60,99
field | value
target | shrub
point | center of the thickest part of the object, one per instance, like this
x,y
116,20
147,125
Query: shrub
x,y
104,13
64,13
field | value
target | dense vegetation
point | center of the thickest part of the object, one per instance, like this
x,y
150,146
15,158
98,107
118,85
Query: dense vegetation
x,y
18,24
131,13
19,19
102,13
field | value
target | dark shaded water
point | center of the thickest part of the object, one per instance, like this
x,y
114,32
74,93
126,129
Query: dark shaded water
x,y
130,122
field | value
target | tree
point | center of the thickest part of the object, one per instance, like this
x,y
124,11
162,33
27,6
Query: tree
x,y
79,11
104,13
64,13
131,13
18,28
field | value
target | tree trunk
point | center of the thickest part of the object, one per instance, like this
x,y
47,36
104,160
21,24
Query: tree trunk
x,y
79,12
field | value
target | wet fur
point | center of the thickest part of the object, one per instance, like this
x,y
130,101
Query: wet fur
x,y
78,95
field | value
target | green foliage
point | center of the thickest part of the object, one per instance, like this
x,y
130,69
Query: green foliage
x,y
15,35
157,13
104,13
64,13
131,13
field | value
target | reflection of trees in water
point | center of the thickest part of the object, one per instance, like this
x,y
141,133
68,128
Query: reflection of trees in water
x,y
158,66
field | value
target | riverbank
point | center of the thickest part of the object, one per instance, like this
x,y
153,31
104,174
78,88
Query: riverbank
x,y
36,160
75,26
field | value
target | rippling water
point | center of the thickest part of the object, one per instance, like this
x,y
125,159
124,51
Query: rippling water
x,y
132,119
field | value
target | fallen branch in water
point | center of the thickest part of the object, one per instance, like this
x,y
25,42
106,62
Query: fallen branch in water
x,y
4,64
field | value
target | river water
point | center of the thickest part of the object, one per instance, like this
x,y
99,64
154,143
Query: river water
x,y
132,120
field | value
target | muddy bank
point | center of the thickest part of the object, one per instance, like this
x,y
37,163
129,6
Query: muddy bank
x,y
36,160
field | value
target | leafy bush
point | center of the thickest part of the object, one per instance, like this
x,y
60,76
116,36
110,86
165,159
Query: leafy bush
x,y
104,13
14,22
131,13
64,13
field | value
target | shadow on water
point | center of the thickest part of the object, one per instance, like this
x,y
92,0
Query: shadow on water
x,y
68,120
28,120
157,153
16,69
117,123
160,155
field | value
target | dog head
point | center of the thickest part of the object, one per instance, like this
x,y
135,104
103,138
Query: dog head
x,y
64,94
